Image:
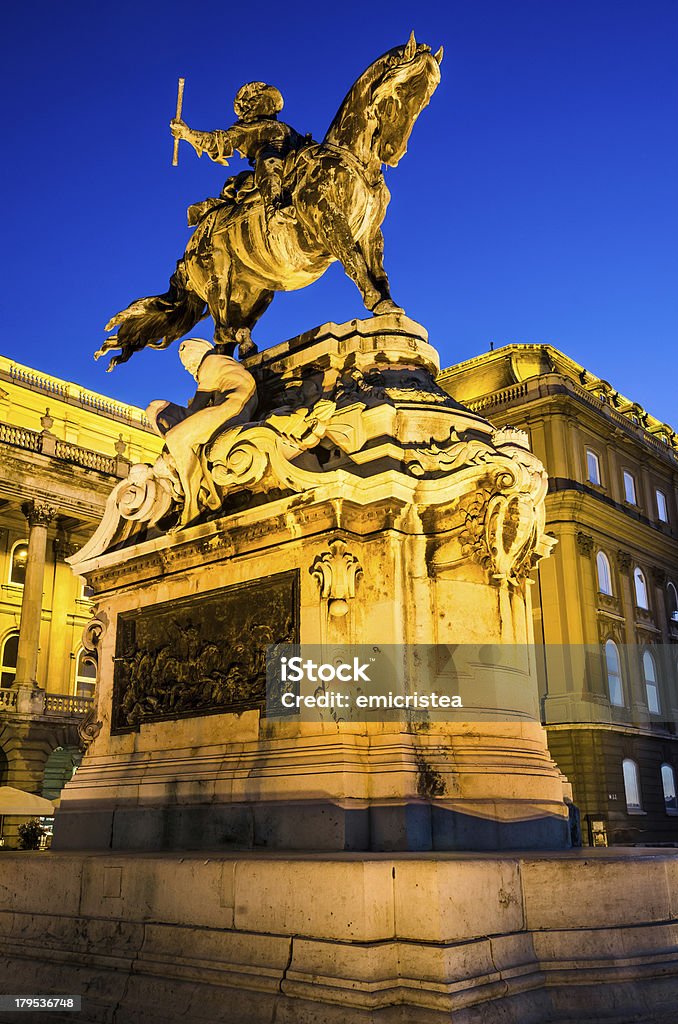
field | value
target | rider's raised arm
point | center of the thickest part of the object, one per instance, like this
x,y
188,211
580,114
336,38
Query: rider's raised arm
x,y
218,145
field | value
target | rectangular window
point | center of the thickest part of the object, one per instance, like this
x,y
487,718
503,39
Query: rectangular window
x,y
592,467
662,510
629,488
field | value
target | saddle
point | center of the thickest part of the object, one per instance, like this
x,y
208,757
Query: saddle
x,y
241,187
236,189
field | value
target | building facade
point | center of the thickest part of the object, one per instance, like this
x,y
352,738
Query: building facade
x,y
62,449
606,601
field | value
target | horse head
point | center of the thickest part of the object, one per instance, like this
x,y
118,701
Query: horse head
x,y
376,119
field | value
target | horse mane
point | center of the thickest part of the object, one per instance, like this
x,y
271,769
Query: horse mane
x,y
352,110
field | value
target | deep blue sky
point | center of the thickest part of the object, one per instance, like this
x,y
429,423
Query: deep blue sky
x,y
537,202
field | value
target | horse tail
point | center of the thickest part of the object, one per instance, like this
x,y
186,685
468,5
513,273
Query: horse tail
x,y
156,321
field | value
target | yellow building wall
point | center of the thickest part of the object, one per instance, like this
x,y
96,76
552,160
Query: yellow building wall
x,y
95,423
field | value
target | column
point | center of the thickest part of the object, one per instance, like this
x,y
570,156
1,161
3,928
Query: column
x,y
39,515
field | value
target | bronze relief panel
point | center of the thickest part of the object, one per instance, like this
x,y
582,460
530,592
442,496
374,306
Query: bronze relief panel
x,y
202,654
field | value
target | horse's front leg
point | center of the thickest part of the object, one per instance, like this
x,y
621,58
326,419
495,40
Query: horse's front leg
x,y
336,235
373,249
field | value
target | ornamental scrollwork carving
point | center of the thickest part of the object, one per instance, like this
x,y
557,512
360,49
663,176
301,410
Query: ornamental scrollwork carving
x,y
447,456
256,457
456,452
89,728
504,523
92,634
336,571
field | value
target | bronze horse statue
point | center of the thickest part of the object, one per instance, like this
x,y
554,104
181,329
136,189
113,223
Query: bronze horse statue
x,y
236,260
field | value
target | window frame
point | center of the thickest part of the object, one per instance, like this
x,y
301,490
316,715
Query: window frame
x,y
79,679
658,493
638,572
670,810
672,608
601,558
15,545
592,457
629,483
8,668
651,683
616,674
632,808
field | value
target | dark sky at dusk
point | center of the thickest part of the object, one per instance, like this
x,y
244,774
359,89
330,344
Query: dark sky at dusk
x,y
537,201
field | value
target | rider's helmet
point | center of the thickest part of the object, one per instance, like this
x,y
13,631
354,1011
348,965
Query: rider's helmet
x,y
256,99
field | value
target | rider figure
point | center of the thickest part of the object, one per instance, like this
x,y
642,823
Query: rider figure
x,y
257,135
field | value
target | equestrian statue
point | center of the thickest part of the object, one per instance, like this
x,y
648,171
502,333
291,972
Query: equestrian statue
x,y
304,205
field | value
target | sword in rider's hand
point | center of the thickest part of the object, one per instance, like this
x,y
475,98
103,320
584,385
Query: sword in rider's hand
x,y
180,102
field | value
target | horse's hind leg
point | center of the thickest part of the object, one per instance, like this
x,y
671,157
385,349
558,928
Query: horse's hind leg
x,y
236,308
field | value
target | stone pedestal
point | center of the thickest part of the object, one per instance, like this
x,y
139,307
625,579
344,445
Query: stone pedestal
x,y
370,939
406,519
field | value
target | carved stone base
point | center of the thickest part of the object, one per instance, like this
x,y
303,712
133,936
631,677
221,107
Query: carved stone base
x,y
412,522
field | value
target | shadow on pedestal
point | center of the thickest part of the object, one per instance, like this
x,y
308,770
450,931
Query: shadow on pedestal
x,y
307,826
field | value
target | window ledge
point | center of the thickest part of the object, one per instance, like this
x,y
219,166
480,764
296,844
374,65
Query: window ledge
x,y
672,812
635,810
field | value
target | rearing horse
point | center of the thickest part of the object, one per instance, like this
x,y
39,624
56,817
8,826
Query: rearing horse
x,y
234,263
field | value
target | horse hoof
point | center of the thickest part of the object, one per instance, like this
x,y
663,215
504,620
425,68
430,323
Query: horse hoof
x,y
247,348
386,306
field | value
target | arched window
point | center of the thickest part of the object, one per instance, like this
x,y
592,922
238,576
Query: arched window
x,y
651,688
640,588
604,573
17,563
631,785
592,467
85,675
10,650
614,676
669,787
672,600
